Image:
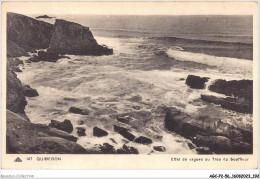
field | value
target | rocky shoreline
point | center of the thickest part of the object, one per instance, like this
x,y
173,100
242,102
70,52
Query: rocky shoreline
x,y
208,135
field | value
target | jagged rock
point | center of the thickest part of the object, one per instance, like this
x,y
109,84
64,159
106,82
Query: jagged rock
x,y
79,111
81,131
25,34
113,140
106,148
48,56
29,92
191,146
124,132
196,82
75,39
143,140
24,137
124,119
15,99
209,132
127,150
235,104
99,132
237,88
64,126
34,58
159,148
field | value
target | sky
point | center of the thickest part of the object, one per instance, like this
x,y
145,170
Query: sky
x,y
132,8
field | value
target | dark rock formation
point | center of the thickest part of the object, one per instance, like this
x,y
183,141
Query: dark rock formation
x,y
29,92
203,150
124,119
196,82
106,148
44,17
159,148
143,140
235,104
15,99
191,146
81,131
124,132
99,132
209,132
23,137
25,34
79,111
64,126
73,38
127,150
236,88
48,56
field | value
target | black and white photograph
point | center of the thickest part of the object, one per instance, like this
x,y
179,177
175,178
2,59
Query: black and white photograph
x,y
129,84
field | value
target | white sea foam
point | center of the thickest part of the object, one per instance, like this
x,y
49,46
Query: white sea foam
x,y
210,60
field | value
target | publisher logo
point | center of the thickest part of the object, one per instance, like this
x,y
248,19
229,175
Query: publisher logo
x,y
18,160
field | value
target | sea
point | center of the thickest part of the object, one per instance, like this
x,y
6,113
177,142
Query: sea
x,y
153,55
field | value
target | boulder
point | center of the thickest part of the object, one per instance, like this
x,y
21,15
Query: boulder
x,y
196,82
64,126
124,132
159,148
25,34
29,92
143,140
75,39
106,148
235,104
48,56
127,150
81,131
23,137
191,146
236,88
79,111
99,132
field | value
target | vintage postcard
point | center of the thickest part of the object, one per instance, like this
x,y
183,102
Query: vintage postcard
x,y
129,85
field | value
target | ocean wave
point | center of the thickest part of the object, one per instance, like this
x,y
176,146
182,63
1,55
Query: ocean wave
x,y
198,41
210,60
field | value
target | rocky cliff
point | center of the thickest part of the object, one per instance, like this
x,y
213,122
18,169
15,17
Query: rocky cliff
x,y
25,34
73,38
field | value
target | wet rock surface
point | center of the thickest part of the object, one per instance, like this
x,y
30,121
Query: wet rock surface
x,y
127,150
204,131
81,131
236,88
196,82
235,104
159,148
79,111
29,92
143,140
99,132
64,126
124,132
